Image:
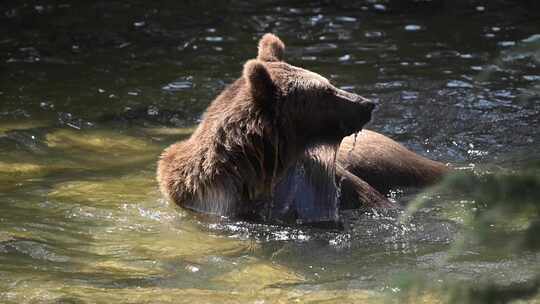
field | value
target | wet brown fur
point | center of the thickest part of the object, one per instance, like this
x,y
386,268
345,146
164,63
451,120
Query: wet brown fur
x,y
251,134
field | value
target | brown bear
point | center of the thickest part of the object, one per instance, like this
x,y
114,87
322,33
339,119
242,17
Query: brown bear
x,y
273,146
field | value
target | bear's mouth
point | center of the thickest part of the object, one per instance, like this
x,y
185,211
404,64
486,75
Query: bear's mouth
x,y
357,111
356,119
353,126
345,129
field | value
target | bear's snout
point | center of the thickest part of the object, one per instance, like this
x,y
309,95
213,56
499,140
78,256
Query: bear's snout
x,y
368,104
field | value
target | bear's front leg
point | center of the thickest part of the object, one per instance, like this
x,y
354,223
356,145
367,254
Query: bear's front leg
x,y
356,193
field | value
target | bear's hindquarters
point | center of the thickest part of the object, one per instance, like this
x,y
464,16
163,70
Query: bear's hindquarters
x,y
385,164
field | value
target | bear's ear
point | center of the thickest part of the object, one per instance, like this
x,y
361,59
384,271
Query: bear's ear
x,y
271,48
258,79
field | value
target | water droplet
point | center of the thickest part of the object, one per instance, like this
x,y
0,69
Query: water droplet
x,y
379,7
192,268
178,86
46,105
412,27
213,39
316,19
152,111
390,85
309,58
294,10
506,43
373,34
532,77
139,24
346,57
504,94
346,19
484,104
477,153
409,95
458,84
123,45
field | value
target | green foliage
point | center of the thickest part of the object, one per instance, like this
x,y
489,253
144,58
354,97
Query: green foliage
x,y
494,293
499,214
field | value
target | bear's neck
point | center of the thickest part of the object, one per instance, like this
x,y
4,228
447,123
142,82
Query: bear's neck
x,y
237,166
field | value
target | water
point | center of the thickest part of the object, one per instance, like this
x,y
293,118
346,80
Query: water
x,y
91,93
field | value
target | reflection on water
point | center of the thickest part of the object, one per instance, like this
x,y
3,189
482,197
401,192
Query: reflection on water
x,y
91,93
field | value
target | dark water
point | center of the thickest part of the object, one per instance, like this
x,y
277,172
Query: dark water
x,y
90,93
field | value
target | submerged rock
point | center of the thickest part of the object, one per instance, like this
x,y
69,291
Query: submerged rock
x,y
259,276
96,140
131,188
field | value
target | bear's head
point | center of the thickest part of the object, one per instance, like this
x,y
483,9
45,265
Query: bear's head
x,y
304,103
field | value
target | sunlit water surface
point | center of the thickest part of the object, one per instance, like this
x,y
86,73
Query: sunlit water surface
x,y
90,95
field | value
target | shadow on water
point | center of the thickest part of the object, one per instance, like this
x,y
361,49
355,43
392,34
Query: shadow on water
x,y
90,93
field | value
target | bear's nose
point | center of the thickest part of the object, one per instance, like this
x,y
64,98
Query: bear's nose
x,y
364,102
368,103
